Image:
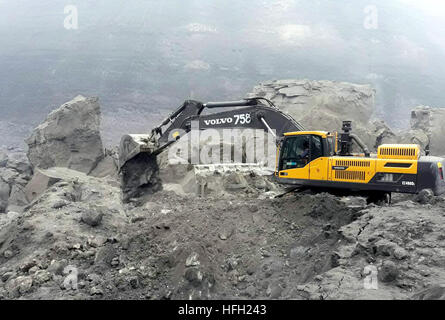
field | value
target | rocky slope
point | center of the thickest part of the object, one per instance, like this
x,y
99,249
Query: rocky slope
x,y
247,246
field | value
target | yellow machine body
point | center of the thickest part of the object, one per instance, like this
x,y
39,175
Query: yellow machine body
x,y
395,167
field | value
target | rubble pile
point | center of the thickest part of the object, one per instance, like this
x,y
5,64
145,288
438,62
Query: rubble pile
x,y
302,246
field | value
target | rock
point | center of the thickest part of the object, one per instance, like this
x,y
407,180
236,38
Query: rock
x,y
234,182
115,262
24,283
250,291
232,263
92,217
354,202
430,121
424,196
59,203
94,279
57,267
415,136
4,195
435,292
105,255
9,175
8,254
388,271
134,282
192,260
385,247
400,253
225,234
383,133
19,162
152,207
97,241
27,265
194,276
7,275
106,167
274,291
322,105
42,276
69,137
39,183
18,286
96,291
33,270
8,230
18,197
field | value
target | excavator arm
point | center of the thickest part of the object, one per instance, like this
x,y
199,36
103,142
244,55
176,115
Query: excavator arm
x,y
137,152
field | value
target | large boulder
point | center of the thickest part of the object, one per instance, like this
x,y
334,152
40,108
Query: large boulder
x,y
15,172
323,105
427,128
69,137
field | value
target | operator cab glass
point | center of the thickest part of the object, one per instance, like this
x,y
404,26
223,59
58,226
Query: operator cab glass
x,y
331,145
299,150
316,147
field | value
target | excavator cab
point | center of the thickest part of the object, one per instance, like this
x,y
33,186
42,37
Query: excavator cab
x,y
302,150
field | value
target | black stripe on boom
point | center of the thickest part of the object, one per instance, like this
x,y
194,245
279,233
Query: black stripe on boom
x,y
397,165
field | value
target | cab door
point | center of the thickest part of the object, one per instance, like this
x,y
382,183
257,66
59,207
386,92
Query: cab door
x,y
294,158
319,162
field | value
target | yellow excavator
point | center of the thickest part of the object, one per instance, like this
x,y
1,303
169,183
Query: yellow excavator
x,y
306,159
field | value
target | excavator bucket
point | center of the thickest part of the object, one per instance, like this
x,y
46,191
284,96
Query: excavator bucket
x,y
137,165
133,144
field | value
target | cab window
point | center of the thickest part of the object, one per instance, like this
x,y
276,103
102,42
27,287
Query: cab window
x,y
331,145
295,152
298,151
316,147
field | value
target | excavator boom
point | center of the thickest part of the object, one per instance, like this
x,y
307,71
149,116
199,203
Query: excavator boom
x,y
137,152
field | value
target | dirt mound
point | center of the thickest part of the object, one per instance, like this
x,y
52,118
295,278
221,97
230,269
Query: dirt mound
x,y
170,247
403,242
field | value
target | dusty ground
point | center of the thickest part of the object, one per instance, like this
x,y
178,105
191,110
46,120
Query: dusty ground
x,y
240,245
